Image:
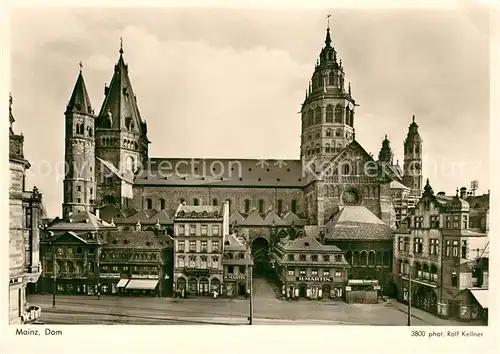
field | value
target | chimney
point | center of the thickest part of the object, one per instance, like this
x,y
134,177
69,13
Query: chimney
x,y
463,192
97,213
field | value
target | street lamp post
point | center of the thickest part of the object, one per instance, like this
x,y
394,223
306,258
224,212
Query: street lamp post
x,y
54,270
250,316
409,296
98,273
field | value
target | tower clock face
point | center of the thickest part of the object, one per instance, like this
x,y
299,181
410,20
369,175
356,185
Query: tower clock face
x,y
351,197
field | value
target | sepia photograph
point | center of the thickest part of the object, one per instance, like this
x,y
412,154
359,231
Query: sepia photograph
x,y
249,166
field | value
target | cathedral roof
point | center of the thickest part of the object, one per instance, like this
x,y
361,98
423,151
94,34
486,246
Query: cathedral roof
x,y
79,100
357,223
222,172
119,109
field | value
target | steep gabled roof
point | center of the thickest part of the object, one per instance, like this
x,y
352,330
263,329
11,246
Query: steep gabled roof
x,y
119,108
79,100
126,176
82,221
357,223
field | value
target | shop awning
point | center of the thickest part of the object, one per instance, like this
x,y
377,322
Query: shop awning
x,y
142,284
122,283
481,296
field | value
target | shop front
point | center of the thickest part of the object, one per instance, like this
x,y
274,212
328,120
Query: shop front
x,y
313,288
109,283
142,285
235,285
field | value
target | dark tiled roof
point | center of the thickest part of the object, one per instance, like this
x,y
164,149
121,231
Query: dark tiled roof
x,y
121,103
234,245
306,243
228,172
136,240
79,222
357,223
198,211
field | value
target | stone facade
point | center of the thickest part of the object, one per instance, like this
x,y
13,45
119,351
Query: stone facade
x,y
431,250
24,215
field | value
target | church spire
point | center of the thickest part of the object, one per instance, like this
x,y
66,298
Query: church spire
x,y
328,39
79,100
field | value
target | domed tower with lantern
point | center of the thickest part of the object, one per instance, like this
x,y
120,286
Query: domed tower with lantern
x,y
328,108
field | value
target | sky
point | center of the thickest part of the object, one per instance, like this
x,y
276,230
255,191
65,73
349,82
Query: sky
x,y
229,83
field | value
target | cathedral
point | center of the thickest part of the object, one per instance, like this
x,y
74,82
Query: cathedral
x,y
108,167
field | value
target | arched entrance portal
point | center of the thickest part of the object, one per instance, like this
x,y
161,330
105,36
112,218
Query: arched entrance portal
x,y
260,255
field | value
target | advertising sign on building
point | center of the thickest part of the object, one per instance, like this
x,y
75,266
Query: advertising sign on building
x,y
235,277
144,276
362,282
313,279
110,275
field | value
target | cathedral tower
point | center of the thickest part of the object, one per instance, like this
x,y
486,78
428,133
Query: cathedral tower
x,y
121,140
413,160
386,155
79,180
328,108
